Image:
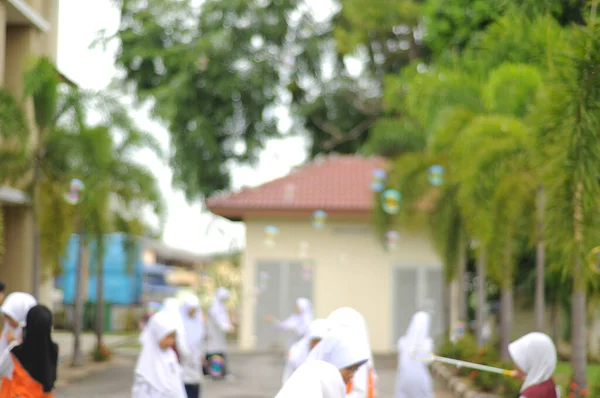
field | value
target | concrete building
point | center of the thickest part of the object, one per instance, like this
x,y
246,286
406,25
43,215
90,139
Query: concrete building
x,y
28,29
340,262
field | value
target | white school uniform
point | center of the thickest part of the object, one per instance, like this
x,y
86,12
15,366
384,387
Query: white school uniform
x,y
319,375
349,317
298,353
218,323
16,305
413,379
194,334
535,355
172,306
157,372
298,323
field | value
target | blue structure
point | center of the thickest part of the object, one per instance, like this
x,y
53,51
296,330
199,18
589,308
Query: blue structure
x,y
121,285
155,283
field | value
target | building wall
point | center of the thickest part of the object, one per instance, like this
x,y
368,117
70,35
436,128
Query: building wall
x,y
351,268
18,256
19,46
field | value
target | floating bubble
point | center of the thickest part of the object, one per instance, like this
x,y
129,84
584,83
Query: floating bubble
x,y
307,274
378,183
319,218
379,174
390,201
289,192
392,239
216,365
75,194
271,233
435,174
303,247
377,186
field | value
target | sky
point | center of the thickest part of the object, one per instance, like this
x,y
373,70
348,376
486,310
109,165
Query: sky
x,y
188,226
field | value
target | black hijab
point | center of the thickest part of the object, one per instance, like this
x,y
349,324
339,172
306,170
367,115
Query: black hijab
x,y
38,354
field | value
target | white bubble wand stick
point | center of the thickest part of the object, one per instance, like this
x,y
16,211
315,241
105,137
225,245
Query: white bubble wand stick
x,y
429,357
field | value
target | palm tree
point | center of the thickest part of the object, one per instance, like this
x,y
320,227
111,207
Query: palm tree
x,y
68,148
568,116
431,100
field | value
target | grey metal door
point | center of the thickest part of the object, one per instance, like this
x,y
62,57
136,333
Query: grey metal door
x,y
286,281
268,302
405,285
434,282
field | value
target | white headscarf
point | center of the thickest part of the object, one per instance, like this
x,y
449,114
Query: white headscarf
x,y
535,355
342,347
16,305
349,317
413,379
314,379
158,367
172,307
299,351
194,326
299,322
218,311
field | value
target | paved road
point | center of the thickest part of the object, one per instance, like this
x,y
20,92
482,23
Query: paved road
x,y
258,376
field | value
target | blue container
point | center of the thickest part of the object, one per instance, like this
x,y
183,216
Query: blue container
x,y
122,281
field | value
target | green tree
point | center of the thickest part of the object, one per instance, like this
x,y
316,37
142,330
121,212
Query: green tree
x,y
212,73
119,189
568,120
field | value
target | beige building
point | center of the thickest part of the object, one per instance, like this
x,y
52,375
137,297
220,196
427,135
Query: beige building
x,y
28,29
337,263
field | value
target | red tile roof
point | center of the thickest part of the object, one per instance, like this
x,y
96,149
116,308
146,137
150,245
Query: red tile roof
x,y
333,183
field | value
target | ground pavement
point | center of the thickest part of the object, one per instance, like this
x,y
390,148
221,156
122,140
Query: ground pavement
x,y
257,376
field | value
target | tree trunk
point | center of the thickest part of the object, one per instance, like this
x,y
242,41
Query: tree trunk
x,y
99,295
578,313
540,274
78,313
463,298
506,302
481,294
36,274
554,313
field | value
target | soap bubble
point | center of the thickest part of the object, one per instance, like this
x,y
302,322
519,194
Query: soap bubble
x,y
377,186
435,174
289,192
75,194
319,218
271,233
379,174
378,183
390,201
392,239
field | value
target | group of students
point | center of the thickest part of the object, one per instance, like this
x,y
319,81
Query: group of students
x,y
332,358
28,355
178,346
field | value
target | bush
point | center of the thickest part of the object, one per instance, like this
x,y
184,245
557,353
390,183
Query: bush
x,y
101,353
466,349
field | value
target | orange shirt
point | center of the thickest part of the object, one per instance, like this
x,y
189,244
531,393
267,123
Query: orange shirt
x,y
349,386
22,385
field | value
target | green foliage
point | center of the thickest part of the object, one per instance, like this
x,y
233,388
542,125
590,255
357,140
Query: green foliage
x,y
466,349
212,73
13,123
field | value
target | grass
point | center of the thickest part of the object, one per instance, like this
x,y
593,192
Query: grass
x,y
563,374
